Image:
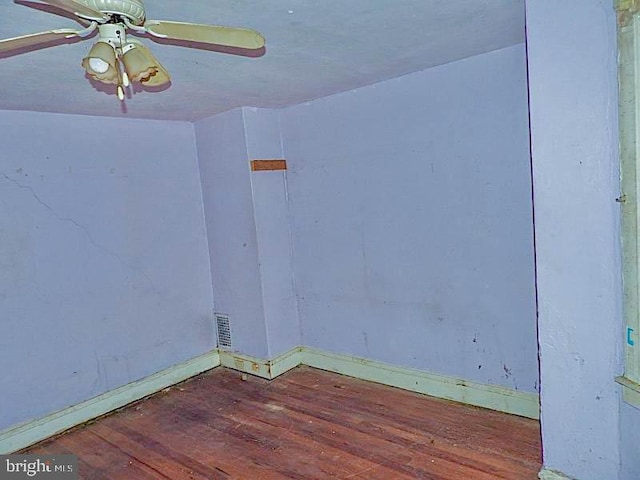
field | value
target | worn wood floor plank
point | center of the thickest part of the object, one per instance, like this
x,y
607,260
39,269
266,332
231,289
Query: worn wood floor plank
x,y
362,439
305,425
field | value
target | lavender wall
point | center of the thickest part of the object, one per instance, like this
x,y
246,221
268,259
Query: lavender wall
x,y
248,230
231,229
412,221
629,442
572,65
104,269
270,204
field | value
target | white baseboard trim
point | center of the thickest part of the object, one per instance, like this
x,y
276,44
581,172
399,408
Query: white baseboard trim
x,y
259,367
493,397
17,438
488,396
546,474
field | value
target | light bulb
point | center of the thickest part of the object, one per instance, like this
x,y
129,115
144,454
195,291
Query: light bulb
x,y
98,65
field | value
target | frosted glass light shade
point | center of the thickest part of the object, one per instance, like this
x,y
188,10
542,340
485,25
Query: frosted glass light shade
x,y
101,63
160,79
141,66
138,66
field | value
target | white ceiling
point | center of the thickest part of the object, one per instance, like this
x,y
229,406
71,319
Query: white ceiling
x,y
314,48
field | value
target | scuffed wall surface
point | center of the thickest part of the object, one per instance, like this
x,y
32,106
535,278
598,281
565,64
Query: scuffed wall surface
x,y
104,268
412,221
231,229
573,88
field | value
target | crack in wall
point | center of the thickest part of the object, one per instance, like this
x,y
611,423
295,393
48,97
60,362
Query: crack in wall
x,y
84,229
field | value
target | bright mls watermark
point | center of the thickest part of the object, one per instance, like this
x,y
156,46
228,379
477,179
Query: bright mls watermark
x,y
39,467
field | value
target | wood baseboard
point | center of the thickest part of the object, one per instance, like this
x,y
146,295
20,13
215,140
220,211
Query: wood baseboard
x,y
488,396
493,397
546,474
17,438
259,367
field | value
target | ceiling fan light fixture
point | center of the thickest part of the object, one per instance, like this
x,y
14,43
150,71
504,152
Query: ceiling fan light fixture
x,y
114,19
159,79
142,66
139,66
101,63
98,65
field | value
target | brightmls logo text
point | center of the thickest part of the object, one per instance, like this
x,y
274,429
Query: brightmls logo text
x,y
30,468
40,467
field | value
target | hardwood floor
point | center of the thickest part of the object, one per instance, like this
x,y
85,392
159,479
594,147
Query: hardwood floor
x,y
306,424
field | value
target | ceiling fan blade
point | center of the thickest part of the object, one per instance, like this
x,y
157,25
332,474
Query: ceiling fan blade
x,y
35,39
210,34
77,8
45,7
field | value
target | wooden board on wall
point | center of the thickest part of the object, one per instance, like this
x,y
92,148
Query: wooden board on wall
x,y
267,165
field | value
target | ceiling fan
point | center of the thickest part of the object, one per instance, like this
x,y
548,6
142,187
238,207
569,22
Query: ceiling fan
x,y
119,59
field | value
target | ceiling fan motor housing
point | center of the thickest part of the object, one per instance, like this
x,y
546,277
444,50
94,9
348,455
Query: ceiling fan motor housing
x,y
113,34
131,9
